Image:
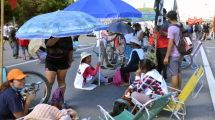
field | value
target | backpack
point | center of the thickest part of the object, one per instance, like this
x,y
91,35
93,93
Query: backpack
x,y
119,106
57,96
185,45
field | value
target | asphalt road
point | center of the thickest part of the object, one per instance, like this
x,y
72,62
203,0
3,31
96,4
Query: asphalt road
x,y
85,102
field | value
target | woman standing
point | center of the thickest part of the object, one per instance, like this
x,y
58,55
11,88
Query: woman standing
x,y
24,46
12,104
137,54
206,32
138,32
58,59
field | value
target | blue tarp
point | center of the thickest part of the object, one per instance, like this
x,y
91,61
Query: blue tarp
x,y
105,8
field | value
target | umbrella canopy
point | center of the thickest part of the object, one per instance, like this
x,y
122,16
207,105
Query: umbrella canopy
x,y
119,27
34,45
59,24
105,8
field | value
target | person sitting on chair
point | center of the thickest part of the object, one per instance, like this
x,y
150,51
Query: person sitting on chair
x,y
12,104
137,54
87,74
149,82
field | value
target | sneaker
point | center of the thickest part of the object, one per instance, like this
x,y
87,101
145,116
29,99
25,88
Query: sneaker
x,y
102,67
41,101
109,66
15,57
24,58
31,58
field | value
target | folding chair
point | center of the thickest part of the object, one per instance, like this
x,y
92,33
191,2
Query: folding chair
x,y
195,54
190,87
144,113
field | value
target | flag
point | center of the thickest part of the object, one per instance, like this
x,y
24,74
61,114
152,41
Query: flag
x,y
13,3
214,23
158,7
175,8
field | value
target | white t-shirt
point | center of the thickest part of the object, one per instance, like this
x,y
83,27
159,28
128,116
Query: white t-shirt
x,y
128,37
5,29
138,34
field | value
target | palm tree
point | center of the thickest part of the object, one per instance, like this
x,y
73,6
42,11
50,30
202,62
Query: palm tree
x,y
29,26
58,25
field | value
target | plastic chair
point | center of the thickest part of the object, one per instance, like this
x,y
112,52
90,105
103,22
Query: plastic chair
x,y
188,89
144,113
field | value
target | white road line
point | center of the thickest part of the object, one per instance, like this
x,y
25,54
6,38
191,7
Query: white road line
x,y
92,43
83,48
37,59
209,76
20,63
210,47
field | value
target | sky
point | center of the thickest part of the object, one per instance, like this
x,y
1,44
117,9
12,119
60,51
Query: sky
x,y
187,8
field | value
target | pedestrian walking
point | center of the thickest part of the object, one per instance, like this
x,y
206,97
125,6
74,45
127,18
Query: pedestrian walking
x,y
173,58
15,44
206,32
187,27
199,31
196,30
6,35
24,46
58,60
162,44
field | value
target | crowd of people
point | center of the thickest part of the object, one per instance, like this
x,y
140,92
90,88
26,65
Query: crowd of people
x,y
149,78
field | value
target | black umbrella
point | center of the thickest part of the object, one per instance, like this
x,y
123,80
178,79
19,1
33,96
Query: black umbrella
x,y
119,27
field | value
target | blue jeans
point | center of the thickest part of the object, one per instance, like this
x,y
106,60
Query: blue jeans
x,y
15,49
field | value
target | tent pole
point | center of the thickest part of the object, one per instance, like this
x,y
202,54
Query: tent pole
x,y
2,23
99,58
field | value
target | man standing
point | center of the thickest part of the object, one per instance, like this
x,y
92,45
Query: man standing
x,y
199,31
162,44
6,34
196,30
15,43
173,58
187,27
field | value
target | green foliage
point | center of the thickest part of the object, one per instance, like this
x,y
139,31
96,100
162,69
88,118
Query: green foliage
x,y
27,9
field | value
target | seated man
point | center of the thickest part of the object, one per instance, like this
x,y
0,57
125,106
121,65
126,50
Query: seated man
x,y
137,54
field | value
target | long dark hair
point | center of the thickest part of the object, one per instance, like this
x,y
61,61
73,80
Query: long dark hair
x,y
146,64
6,85
137,25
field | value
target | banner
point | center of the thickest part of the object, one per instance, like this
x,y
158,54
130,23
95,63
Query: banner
x,y
147,14
193,21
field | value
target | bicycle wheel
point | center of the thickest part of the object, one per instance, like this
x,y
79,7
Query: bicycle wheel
x,y
187,62
35,77
120,44
108,50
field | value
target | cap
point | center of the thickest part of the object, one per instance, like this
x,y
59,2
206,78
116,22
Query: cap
x,y
16,74
172,14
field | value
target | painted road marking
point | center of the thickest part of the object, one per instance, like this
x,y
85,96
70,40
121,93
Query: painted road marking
x,y
209,76
37,59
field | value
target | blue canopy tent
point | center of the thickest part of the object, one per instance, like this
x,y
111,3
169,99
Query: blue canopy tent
x,y
105,9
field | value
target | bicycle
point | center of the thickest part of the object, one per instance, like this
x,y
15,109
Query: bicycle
x,y
116,50
187,61
32,85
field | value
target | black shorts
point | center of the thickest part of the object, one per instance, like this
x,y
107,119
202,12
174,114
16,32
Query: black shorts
x,y
55,67
5,38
